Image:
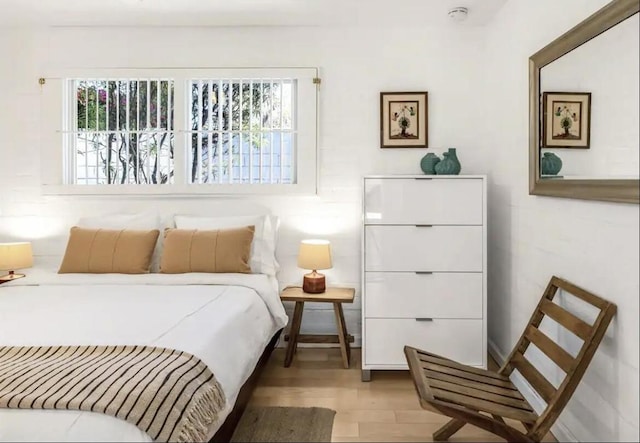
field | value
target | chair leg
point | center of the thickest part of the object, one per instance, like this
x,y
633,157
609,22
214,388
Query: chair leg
x,y
448,430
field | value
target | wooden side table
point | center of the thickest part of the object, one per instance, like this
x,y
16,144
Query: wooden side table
x,y
337,296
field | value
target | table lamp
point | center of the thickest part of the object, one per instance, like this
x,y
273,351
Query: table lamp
x,y
314,255
15,256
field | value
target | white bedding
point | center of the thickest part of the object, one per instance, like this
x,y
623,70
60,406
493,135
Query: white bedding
x,y
224,319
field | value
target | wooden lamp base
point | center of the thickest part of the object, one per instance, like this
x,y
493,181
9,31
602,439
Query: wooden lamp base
x,y
313,283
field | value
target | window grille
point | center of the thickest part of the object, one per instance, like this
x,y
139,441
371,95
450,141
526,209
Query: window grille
x,y
123,131
242,131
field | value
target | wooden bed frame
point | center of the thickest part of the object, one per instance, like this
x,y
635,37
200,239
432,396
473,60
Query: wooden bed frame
x,y
225,432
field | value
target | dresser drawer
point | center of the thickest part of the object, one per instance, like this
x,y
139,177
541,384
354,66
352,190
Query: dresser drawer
x,y
423,201
411,295
433,248
460,340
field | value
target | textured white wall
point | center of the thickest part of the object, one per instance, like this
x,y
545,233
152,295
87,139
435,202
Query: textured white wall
x,y
594,245
356,64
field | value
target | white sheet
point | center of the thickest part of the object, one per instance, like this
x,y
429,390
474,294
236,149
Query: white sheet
x,y
224,319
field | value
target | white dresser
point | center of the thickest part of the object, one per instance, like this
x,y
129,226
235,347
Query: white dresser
x,y
424,272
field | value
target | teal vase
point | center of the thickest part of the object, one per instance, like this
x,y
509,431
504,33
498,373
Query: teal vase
x,y
550,164
429,162
450,165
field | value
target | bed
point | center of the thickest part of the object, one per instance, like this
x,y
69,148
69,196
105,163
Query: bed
x,y
228,321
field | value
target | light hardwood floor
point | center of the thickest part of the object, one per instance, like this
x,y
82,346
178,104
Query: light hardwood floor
x,y
385,409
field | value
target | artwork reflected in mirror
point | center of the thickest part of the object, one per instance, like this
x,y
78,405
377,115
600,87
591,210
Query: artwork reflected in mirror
x,y
566,118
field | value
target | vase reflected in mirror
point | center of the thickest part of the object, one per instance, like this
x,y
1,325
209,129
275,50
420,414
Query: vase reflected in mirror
x,y
550,164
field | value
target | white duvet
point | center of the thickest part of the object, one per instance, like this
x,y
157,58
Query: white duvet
x,y
224,319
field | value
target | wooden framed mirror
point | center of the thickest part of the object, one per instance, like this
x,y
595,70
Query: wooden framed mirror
x,y
582,111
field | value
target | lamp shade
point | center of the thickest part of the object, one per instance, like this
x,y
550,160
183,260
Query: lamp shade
x,y
15,256
314,254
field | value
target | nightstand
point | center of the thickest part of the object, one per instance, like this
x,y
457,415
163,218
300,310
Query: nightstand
x,y
337,296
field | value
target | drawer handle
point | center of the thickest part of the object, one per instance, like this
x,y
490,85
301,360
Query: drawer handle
x,y
424,226
424,319
424,272
423,178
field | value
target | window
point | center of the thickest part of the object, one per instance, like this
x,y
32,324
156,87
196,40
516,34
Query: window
x,y
122,131
242,131
187,131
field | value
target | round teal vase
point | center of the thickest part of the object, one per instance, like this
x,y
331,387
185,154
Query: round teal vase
x,y
450,165
550,164
429,162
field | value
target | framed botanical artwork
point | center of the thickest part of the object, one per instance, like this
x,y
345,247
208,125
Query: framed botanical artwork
x,y
403,120
566,119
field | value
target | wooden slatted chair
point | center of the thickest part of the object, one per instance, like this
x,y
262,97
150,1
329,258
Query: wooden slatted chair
x,y
485,398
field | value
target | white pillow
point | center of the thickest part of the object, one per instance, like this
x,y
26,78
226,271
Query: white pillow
x,y
129,221
275,228
263,246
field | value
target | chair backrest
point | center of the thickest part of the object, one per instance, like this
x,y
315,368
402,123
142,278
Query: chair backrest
x,y
573,367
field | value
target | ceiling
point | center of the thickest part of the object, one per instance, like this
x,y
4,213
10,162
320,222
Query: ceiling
x,y
242,12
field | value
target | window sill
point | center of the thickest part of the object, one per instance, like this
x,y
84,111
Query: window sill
x,y
177,190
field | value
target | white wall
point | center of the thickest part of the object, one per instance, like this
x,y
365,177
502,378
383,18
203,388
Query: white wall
x,y
356,64
607,67
594,245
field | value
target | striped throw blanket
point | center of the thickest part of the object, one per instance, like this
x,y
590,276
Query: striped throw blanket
x,y
170,395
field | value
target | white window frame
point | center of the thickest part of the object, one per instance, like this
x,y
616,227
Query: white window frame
x,y
56,154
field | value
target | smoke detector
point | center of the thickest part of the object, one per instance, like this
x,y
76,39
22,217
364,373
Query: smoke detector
x,y
458,14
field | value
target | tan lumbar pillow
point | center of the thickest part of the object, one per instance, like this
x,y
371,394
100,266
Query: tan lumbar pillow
x,y
192,250
105,251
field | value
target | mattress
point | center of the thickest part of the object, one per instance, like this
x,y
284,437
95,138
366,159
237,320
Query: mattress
x,y
226,320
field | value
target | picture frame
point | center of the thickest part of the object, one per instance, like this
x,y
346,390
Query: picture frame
x,y
404,120
566,120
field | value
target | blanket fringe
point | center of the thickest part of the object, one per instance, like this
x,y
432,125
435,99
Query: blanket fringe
x,y
203,412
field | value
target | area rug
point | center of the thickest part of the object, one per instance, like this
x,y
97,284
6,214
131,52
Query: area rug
x,y
280,424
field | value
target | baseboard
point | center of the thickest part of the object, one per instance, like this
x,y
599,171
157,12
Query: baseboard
x,y
559,429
